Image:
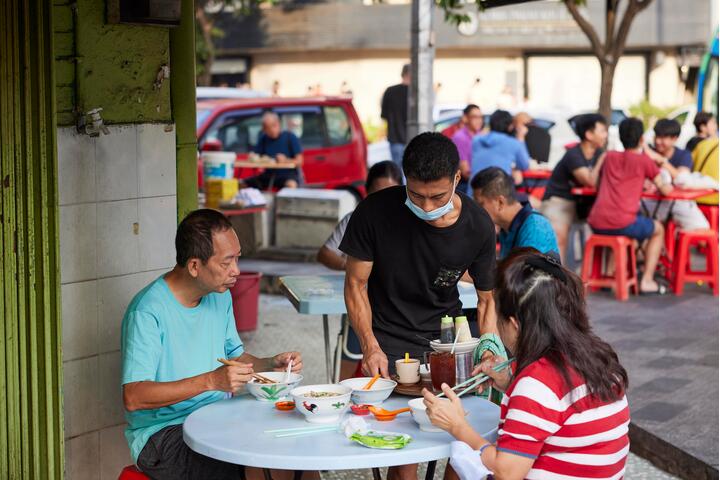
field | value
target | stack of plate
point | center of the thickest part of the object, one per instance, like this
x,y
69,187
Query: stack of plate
x,y
460,347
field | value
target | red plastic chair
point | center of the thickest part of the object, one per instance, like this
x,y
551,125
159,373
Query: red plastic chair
x,y
132,473
682,268
594,270
711,212
666,260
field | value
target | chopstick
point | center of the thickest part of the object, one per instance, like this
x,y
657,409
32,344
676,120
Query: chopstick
x,y
478,379
371,382
256,376
297,432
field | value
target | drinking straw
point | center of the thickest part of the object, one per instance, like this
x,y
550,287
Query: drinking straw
x,y
457,335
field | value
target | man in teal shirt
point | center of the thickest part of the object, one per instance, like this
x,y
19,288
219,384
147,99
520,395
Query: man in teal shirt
x,y
173,333
520,225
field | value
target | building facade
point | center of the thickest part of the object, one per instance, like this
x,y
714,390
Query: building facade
x,y
532,54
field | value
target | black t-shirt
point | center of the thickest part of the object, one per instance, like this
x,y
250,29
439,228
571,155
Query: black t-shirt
x,y
394,111
416,266
562,180
693,142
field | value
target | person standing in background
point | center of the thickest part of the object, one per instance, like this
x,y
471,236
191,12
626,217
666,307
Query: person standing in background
x,y
463,137
394,111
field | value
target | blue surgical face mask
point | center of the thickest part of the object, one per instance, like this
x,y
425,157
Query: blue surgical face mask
x,y
433,214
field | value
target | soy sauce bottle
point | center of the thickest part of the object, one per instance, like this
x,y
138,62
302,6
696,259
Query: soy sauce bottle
x,y
447,334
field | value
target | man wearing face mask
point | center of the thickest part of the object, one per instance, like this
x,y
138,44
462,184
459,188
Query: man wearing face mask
x,y
407,248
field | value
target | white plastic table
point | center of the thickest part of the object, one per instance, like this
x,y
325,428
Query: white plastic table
x,y
233,431
325,295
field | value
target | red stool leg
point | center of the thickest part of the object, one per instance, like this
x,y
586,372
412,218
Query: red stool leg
x,y
632,268
680,263
712,259
621,260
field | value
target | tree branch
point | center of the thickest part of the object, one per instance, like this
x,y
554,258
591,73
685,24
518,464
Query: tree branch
x,y
610,21
587,29
634,7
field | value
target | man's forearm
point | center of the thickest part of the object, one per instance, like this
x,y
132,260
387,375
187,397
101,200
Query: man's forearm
x,y
149,395
486,316
360,315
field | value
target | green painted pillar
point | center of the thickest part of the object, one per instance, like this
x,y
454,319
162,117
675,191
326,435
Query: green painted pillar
x,y
31,417
182,95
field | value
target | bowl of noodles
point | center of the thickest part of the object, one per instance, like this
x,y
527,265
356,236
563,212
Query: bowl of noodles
x,y
322,403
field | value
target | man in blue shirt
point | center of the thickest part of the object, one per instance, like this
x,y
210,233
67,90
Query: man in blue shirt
x,y
520,226
284,147
498,148
173,333
678,164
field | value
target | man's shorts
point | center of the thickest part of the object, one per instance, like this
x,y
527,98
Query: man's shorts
x,y
559,210
685,213
167,457
641,229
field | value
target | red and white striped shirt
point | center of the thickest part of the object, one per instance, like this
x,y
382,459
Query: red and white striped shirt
x,y
570,434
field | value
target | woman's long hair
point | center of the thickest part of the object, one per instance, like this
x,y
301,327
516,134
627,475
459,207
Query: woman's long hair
x,y
548,302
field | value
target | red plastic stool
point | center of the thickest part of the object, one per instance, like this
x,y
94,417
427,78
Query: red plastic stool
x,y
666,260
711,213
682,269
593,271
132,473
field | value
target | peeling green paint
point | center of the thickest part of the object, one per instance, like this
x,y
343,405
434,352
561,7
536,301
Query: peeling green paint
x,y
117,66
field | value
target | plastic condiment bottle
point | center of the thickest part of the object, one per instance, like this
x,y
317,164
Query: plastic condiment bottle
x,y
446,330
462,329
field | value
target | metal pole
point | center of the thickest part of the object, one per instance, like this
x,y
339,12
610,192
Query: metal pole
x,y
421,94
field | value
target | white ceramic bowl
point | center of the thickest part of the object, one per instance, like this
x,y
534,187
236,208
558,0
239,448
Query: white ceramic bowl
x,y
377,394
266,392
419,414
460,347
322,409
425,373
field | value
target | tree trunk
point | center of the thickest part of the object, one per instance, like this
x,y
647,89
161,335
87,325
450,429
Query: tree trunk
x,y
206,25
607,73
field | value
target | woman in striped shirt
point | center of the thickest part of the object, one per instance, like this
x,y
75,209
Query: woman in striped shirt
x,y
564,415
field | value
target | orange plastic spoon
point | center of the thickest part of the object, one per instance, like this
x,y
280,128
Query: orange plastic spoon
x,y
383,415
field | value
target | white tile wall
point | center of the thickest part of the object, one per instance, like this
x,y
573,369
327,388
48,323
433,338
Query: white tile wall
x,y
158,221
114,452
80,319
82,409
117,242
76,167
116,164
156,176
117,228
83,457
114,295
110,391
78,248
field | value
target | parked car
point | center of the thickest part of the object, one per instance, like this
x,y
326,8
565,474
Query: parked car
x,y
214,93
330,132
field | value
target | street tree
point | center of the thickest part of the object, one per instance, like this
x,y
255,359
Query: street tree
x,y
206,14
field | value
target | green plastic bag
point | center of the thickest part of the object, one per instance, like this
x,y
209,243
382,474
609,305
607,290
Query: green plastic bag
x,y
381,440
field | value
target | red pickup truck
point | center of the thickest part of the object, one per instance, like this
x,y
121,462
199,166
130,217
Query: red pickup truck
x,y
330,133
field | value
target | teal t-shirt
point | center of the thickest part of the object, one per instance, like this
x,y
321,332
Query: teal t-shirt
x,y
164,341
529,229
